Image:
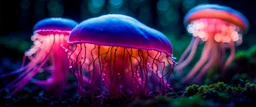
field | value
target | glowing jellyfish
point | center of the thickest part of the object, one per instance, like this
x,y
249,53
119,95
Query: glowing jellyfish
x,y
49,36
219,27
116,55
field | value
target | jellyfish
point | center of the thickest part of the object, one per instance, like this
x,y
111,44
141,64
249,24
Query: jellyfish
x,y
46,55
117,56
220,27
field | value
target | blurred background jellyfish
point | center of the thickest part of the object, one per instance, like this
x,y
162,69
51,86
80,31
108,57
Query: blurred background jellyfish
x,y
219,27
117,56
46,54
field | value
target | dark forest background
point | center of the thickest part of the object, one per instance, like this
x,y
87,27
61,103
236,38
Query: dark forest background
x,y
17,18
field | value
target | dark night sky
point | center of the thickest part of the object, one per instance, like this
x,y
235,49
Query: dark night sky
x,y
11,19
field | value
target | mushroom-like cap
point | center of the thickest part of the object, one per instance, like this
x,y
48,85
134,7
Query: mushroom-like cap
x,y
218,12
54,26
120,30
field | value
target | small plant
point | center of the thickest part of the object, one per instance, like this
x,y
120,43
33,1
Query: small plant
x,y
191,90
223,92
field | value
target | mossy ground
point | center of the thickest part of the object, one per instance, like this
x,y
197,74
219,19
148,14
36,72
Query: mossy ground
x,y
235,87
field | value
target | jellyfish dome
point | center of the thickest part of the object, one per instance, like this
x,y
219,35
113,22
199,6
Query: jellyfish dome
x,y
116,55
46,55
54,26
219,27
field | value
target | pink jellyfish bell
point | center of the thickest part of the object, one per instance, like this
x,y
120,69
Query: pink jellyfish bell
x,y
116,55
49,36
219,27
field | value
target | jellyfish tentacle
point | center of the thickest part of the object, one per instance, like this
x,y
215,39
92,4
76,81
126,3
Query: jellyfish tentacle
x,y
211,61
231,56
223,52
71,61
146,72
23,61
134,71
26,67
115,89
60,65
143,72
180,66
188,49
13,72
96,79
163,73
140,62
40,82
100,69
125,83
155,70
77,69
201,62
27,78
26,72
103,72
60,69
31,73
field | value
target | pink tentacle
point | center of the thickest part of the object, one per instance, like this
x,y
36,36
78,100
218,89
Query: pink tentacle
x,y
13,72
202,60
27,78
180,66
231,56
210,63
23,60
26,67
41,82
185,53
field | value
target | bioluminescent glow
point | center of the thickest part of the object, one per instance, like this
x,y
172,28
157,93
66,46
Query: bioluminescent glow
x,y
49,36
219,27
116,55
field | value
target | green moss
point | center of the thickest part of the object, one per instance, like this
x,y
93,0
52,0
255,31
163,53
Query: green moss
x,y
239,88
191,90
195,100
250,86
252,51
221,90
202,89
241,56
